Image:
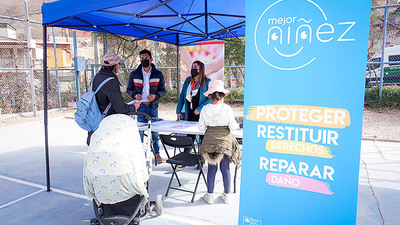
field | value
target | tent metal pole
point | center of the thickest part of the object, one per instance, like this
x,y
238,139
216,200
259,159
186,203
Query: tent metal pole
x,y
30,60
155,53
55,64
98,27
206,16
152,8
383,54
227,15
96,49
177,67
184,19
105,44
46,133
78,88
225,28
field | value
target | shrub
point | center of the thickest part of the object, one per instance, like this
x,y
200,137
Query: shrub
x,y
235,95
170,96
390,97
371,96
126,97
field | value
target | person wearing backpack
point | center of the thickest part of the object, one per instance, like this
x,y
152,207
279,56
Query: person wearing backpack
x,y
110,92
146,84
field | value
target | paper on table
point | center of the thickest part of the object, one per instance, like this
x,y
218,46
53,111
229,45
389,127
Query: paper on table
x,y
134,101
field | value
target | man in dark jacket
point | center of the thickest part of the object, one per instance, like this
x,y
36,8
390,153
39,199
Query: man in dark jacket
x,y
146,84
110,92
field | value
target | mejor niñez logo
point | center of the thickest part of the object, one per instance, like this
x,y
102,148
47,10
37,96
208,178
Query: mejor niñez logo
x,y
289,40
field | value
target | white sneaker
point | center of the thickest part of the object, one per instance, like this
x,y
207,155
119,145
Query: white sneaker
x,y
209,198
226,198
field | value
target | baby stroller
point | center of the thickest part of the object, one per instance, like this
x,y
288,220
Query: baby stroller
x,y
116,173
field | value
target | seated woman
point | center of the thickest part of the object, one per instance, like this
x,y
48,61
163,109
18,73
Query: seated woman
x,y
115,166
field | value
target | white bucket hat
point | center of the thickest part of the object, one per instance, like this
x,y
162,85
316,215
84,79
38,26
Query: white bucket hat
x,y
216,85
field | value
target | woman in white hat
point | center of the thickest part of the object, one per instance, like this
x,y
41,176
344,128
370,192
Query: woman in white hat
x,y
219,145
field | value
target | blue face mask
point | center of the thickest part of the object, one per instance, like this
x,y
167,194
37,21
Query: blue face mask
x,y
119,70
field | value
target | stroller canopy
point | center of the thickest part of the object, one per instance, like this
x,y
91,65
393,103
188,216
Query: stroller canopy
x,y
115,166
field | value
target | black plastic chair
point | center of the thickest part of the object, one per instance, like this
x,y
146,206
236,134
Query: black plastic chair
x,y
182,159
166,137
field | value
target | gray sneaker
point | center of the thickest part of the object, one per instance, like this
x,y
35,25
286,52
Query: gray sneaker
x,y
209,198
226,198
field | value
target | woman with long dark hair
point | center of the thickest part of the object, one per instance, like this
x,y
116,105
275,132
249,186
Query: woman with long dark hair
x,y
192,98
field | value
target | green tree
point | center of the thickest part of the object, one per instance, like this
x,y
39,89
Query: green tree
x,y
234,56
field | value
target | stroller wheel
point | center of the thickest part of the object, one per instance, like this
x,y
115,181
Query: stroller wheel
x,y
151,209
159,205
94,221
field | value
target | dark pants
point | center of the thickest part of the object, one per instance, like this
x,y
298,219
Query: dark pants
x,y
226,175
193,136
154,135
89,135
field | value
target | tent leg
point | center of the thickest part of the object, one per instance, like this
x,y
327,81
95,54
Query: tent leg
x,y
105,44
46,134
177,66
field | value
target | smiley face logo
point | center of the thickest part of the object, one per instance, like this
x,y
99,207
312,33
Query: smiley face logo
x,y
284,36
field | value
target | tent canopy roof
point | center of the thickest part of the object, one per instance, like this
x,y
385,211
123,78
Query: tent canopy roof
x,y
177,22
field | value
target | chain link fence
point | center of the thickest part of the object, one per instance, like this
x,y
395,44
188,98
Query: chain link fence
x,y
18,86
22,90
384,47
16,90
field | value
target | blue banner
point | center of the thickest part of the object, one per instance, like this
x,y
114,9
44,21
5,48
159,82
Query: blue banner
x,y
304,95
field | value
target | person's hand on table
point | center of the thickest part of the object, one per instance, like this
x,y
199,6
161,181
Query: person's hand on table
x,y
178,117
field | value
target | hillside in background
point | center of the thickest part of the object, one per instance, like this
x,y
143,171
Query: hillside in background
x,y
15,9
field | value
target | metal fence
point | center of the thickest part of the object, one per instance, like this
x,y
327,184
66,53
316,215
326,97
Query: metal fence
x,y
21,73
384,47
21,79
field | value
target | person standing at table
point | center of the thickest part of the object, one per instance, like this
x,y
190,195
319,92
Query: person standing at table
x,y
146,84
192,97
219,145
109,96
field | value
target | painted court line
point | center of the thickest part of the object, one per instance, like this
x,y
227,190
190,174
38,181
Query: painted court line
x,y
185,220
22,198
76,195
43,189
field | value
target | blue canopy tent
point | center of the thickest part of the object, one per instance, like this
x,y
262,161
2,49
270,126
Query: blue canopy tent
x,y
178,22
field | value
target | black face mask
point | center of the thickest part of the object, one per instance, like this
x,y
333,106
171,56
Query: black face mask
x,y
145,62
194,72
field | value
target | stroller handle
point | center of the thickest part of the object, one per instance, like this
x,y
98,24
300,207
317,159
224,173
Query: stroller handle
x,y
148,118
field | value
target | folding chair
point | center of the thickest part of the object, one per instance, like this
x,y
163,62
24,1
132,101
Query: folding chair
x,y
182,159
163,139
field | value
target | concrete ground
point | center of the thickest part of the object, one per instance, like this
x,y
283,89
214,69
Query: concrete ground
x,y
24,199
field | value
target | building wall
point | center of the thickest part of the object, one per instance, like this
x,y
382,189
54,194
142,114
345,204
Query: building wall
x,y
63,58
